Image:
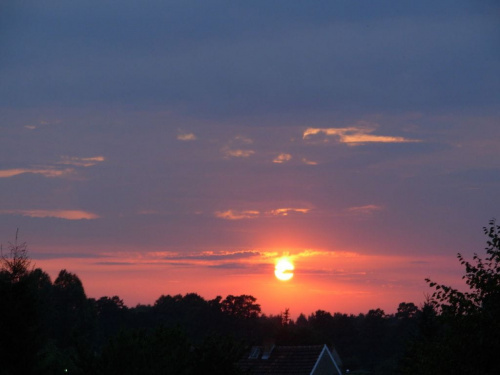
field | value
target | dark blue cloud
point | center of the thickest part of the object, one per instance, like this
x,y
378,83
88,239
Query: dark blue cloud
x,y
221,58
216,257
121,79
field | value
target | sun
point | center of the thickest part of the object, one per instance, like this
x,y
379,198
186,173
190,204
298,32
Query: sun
x,y
284,269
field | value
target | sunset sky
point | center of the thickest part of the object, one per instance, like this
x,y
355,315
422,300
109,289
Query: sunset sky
x,y
165,147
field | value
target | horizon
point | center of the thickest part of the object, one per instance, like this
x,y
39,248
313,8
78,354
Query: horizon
x,y
276,295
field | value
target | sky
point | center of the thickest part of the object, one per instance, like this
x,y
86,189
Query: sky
x,y
166,147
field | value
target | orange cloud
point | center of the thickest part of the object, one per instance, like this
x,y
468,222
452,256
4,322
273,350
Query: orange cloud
x,y
282,158
238,153
309,162
236,215
286,211
186,137
81,162
46,172
60,214
355,135
253,214
54,171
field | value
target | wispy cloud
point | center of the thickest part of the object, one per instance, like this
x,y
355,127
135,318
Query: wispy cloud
x,y
309,162
55,169
286,211
237,153
238,147
81,162
355,135
46,172
242,139
237,215
186,137
212,259
115,263
60,214
212,255
364,210
282,158
66,255
253,214
41,123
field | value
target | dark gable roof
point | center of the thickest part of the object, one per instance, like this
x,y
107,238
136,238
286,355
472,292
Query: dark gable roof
x,y
284,360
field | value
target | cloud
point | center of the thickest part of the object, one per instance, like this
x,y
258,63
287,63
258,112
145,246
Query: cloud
x,y
236,215
81,162
337,273
211,259
186,137
212,256
286,211
355,135
253,214
46,172
41,123
364,210
238,153
60,214
309,162
65,255
230,266
115,263
243,139
282,158
54,170
237,147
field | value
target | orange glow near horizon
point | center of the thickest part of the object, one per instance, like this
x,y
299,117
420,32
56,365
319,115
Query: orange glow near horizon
x,y
346,282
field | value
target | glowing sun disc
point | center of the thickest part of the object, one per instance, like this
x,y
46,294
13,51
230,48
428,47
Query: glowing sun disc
x,y
284,269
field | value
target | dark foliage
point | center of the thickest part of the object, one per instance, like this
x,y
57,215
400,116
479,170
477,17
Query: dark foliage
x,y
460,331
52,327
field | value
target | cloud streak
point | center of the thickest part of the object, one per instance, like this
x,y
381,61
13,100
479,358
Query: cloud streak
x,y
81,162
237,153
254,214
237,215
186,137
216,256
46,172
54,170
282,158
287,211
364,210
355,136
59,214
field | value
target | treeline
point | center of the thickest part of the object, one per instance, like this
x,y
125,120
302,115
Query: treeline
x,y
52,327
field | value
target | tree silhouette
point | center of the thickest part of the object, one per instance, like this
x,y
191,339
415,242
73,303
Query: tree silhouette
x,y
482,278
17,263
242,306
21,332
406,310
464,338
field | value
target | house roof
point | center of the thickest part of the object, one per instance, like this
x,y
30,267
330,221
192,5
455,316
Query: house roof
x,y
283,360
